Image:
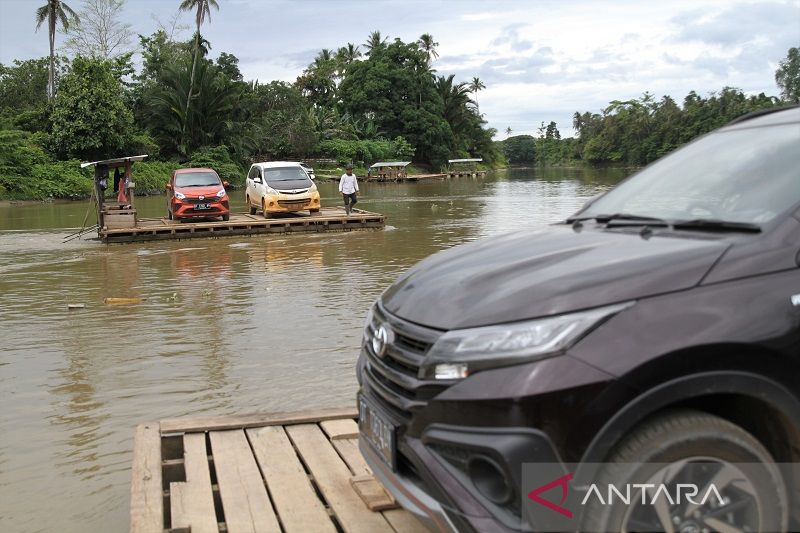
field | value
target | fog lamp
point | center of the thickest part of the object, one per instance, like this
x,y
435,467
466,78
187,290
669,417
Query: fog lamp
x,y
489,478
450,371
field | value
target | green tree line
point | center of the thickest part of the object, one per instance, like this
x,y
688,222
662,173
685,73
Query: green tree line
x,y
637,132
361,103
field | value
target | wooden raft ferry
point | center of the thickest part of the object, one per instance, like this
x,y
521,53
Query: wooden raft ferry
x,y
147,229
293,472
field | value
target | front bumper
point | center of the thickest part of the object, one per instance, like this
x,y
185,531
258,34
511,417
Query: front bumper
x,y
290,203
186,208
413,498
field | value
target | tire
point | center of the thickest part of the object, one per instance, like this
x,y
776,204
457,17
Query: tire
x,y
226,218
253,210
675,438
169,214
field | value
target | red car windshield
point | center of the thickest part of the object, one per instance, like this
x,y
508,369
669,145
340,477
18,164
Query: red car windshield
x,y
197,179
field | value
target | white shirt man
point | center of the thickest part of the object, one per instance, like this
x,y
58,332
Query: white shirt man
x,y
348,186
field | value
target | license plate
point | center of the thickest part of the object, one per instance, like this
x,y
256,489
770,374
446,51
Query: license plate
x,y
377,431
200,207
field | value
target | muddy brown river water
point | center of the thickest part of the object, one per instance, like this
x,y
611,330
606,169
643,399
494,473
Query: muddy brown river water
x,y
226,326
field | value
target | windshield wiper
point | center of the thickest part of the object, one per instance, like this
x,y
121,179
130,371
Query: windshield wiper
x,y
626,217
713,224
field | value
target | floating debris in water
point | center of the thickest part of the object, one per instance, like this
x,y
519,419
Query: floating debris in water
x,y
75,306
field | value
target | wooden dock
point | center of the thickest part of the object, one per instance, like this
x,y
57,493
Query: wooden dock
x,y
420,177
328,219
293,472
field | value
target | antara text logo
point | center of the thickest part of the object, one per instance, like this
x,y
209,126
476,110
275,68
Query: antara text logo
x,y
611,494
685,496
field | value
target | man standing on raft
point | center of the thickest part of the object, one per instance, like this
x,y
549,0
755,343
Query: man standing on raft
x,y
348,186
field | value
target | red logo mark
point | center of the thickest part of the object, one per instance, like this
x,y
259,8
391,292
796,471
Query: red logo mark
x,y
563,482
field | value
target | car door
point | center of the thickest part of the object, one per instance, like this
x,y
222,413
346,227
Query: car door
x,y
250,186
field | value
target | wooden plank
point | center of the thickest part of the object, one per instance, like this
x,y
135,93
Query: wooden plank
x,y
192,502
245,501
215,423
404,522
332,477
295,501
147,501
348,449
344,428
372,493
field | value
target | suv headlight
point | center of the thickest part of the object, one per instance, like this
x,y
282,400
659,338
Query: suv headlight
x,y
221,192
270,190
179,195
458,353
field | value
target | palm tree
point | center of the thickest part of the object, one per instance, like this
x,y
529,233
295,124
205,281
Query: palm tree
x,y
203,10
474,86
509,131
374,41
54,11
348,54
428,46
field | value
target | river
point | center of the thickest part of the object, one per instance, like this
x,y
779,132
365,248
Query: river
x,y
226,326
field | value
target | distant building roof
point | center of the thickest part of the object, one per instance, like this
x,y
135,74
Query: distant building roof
x,y
472,160
114,162
390,164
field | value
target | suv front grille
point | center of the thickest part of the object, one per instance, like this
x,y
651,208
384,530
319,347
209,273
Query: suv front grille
x,y
393,377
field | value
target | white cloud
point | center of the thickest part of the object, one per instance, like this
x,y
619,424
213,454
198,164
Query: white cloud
x,y
540,60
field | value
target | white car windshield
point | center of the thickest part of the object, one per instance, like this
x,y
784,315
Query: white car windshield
x,y
746,175
284,174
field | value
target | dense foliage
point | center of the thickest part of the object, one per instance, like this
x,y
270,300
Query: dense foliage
x,y
382,100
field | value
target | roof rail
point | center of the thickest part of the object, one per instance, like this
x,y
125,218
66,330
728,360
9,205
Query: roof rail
x,y
760,113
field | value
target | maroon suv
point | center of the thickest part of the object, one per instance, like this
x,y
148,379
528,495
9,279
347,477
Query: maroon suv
x,y
656,330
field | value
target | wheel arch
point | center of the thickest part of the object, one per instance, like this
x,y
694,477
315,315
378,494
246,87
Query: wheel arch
x,y
759,404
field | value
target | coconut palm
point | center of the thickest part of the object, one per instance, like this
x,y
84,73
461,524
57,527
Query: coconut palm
x,y
54,11
509,131
474,86
202,10
428,46
348,54
374,41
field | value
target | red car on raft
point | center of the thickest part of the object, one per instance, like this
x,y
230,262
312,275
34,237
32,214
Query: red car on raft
x,y
197,192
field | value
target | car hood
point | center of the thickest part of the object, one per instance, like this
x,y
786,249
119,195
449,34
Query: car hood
x,y
195,192
288,185
527,275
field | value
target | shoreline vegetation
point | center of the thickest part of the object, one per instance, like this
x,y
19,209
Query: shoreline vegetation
x,y
382,100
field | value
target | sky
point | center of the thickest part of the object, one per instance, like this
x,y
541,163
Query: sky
x,y
540,60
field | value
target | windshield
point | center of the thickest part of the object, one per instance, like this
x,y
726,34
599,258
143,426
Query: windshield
x,y
746,175
284,174
196,179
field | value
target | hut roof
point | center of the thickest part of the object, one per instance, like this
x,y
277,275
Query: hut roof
x,y
390,164
113,163
471,160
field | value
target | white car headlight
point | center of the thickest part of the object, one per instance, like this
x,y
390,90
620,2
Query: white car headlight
x,y
270,190
179,195
221,192
458,353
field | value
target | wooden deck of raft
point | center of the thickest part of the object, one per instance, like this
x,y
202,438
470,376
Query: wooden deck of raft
x,y
329,218
295,472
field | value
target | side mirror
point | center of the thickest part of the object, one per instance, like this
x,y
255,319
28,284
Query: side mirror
x,y
226,184
168,186
257,180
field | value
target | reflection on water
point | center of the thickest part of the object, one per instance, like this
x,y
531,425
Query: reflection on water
x,y
232,325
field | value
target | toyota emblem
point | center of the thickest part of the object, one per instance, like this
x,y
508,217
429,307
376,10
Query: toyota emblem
x,y
381,339
202,197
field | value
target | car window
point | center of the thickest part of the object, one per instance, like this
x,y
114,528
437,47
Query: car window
x,y
196,179
743,175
